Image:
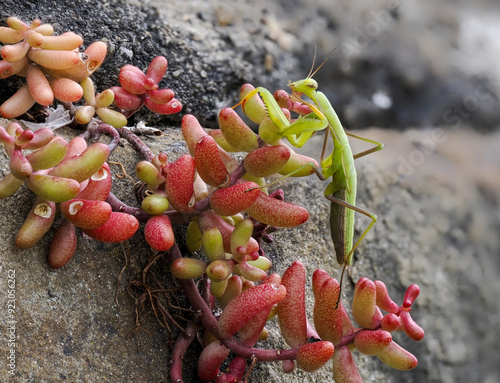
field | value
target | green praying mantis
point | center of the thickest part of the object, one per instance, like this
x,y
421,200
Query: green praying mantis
x,y
339,165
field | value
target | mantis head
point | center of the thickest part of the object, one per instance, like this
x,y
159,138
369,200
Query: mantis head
x,y
305,86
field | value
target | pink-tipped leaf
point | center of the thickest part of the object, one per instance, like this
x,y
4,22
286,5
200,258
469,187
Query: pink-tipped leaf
x,y
292,310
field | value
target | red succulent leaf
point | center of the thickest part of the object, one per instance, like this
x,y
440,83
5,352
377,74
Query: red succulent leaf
x,y
364,309
397,357
327,315
312,356
8,69
14,129
274,212
344,367
301,108
211,358
233,199
347,326
76,147
254,107
266,161
249,272
132,79
96,53
93,56
217,135
49,155
390,322
236,131
239,239
225,378
372,342
250,333
40,138
6,138
292,309
318,278
209,165
126,100
273,278
241,309
288,366
233,288
54,59
237,367
283,99
19,103
179,184
148,173
86,214
411,294
297,164
66,90
99,185
83,166
161,96
9,185
220,270
63,245
410,327
118,228
24,138
20,167
39,85
157,69
51,188
37,223
171,107
383,300
158,232
192,132
188,268
156,203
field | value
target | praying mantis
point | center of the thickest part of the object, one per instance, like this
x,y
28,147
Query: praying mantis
x,y
339,165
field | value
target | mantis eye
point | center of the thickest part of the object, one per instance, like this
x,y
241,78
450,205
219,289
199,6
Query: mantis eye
x,y
312,84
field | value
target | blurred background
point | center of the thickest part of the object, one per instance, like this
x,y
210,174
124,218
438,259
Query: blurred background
x,y
396,64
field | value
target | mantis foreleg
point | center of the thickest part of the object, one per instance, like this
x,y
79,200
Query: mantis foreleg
x,y
298,132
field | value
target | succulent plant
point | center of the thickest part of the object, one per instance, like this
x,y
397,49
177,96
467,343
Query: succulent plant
x,y
223,198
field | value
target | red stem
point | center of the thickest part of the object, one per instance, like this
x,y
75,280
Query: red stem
x,y
95,129
137,143
181,344
210,323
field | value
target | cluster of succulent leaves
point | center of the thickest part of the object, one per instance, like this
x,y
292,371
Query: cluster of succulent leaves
x,y
54,68
225,203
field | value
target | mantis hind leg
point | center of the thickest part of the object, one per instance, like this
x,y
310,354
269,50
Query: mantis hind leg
x,y
378,146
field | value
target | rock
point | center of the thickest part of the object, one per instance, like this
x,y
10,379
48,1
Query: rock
x,y
207,63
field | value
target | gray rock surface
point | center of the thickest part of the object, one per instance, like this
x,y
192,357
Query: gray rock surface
x,y
436,193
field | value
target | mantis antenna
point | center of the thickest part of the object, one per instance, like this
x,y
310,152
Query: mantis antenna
x,y
310,75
